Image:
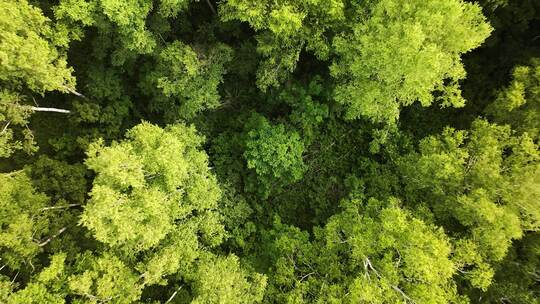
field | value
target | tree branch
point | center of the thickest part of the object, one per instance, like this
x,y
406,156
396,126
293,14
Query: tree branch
x,y
406,297
211,7
40,109
174,294
306,275
47,241
5,127
367,264
60,207
72,91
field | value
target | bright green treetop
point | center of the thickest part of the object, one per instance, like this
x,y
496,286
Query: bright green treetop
x,y
402,51
186,79
468,181
32,60
284,29
222,280
22,219
274,153
31,50
124,21
519,103
372,251
147,184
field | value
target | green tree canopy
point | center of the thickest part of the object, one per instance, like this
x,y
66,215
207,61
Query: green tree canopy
x,y
399,52
274,153
22,219
371,251
32,61
467,180
519,103
146,184
239,151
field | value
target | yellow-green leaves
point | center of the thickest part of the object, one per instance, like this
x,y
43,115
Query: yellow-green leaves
x,y
123,22
402,52
519,103
146,184
371,251
187,79
130,17
274,153
284,21
104,279
14,134
284,30
153,203
171,8
222,280
401,254
470,181
30,54
22,221
32,59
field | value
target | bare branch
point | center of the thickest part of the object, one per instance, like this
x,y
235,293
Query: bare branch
x,y
40,109
60,207
47,241
367,264
306,275
5,127
15,277
406,297
211,7
72,91
174,294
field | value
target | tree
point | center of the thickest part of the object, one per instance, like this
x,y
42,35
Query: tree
x,y
12,114
24,224
398,52
274,153
33,60
516,278
104,278
519,103
126,19
39,215
371,251
43,287
222,280
188,76
147,183
32,50
154,198
467,180
284,30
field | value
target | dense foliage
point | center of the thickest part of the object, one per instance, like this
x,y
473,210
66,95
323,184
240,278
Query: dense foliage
x,y
238,151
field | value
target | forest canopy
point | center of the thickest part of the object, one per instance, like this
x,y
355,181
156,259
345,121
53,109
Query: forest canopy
x,y
290,151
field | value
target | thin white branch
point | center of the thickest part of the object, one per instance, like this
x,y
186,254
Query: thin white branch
x,y
367,264
47,241
5,127
40,109
72,91
406,297
60,207
15,277
174,294
305,276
